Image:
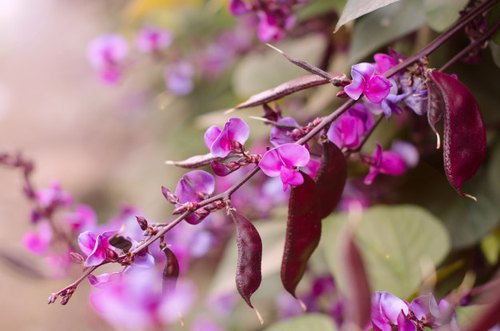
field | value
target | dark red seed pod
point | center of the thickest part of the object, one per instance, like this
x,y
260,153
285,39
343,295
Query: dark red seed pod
x,y
303,232
331,178
248,270
464,134
171,270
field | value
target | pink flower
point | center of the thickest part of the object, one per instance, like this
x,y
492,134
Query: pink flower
x,y
384,62
221,142
95,247
107,54
82,218
179,77
389,163
238,7
280,135
407,151
366,81
283,161
135,300
346,132
53,196
195,186
386,308
153,39
39,242
274,24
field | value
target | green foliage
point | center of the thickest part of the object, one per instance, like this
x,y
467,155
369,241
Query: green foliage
x,y
356,8
383,26
393,241
310,322
442,13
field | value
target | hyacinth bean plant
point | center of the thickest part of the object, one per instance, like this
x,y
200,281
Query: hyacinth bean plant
x,y
380,262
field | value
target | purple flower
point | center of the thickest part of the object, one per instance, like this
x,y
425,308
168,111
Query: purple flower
x,y
384,62
274,24
194,186
280,135
365,81
179,77
95,247
221,142
346,132
83,218
386,309
153,39
407,151
135,300
106,55
283,161
39,242
53,196
238,7
389,163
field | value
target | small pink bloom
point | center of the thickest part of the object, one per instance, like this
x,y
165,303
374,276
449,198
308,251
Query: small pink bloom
x,y
386,308
107,54
179,78
384,62
83,218
283,161
389,163
407,151
346,132
365,81
279,135
95,247
221,142
39,242
153,39
194,187
274,24
53,196
238,7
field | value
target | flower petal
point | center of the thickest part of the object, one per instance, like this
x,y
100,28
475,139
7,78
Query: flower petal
x,y
377,89
210,135
293,155
290,177
270,164
237,130
384,62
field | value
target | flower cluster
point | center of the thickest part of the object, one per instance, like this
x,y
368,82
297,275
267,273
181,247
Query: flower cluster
x,y
274,18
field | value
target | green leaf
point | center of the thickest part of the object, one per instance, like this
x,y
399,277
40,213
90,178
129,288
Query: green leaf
x,y
442,13
309,322
495,53
356,8
383,26
490,245
260,71
393,242
273,240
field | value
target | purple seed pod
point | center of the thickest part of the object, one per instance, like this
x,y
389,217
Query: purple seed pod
x,y
171,270
303,232
464,133
248,270
331,178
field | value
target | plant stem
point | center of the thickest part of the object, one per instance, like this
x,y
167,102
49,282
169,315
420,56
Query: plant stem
x,y
471,46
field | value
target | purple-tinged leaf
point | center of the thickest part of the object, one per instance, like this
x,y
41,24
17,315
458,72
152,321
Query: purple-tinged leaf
x,y
170,271
331,178
464,132
358,291
303,232
194,161
282,90
248,270
435,108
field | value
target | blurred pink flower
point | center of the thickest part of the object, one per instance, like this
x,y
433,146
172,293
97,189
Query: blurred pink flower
x,y
107,54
